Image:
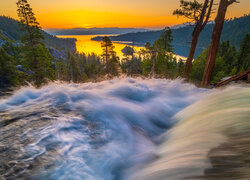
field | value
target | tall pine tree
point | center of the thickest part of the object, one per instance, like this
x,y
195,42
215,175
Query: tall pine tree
x,y
199,14
163,44
215,41
36,56
109,55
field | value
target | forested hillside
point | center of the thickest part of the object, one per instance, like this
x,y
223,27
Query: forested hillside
x,y
233,31
9,28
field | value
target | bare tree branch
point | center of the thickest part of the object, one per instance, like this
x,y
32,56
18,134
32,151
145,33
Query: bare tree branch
x,y
208,14
232,1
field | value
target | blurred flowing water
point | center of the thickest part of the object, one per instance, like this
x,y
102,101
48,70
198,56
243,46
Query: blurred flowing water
x,y
125,129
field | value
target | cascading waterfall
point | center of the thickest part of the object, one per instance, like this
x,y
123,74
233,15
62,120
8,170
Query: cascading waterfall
x,y
210,141
124,129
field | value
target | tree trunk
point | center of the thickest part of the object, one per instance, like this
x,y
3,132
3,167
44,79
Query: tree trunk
x,y
190,58
200,24
212,52
153,67
107,65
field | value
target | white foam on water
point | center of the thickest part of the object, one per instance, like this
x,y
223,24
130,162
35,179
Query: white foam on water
x,y
113,129
202,126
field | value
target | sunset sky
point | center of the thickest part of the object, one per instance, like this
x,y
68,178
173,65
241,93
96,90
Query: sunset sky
x,y
109,13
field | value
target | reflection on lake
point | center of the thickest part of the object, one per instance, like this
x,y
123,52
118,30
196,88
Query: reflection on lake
x,y
84,44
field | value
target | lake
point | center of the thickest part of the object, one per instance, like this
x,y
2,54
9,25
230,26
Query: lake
x,y
84,44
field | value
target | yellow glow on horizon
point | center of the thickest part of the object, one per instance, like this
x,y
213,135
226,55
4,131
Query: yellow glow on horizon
x,y
85,45
109,13
88,19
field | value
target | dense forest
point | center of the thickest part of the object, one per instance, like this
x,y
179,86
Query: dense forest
x,y
233,31
10,29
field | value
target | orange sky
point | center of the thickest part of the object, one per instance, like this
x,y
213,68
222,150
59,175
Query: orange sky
x,y
109,13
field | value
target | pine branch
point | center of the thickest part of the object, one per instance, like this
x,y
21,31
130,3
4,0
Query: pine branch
x,y
208,14
231,2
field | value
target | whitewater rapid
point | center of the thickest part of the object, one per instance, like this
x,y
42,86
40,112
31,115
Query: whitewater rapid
x,y
118,129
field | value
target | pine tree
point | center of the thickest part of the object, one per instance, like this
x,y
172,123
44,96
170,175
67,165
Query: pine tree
x,y
73,68
199,13
8,74
36,56
243,62
164,42
215,41
109,55
108,48
161,50
61,70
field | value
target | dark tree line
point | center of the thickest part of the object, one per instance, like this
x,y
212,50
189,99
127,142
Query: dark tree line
x,y
155,60
229,61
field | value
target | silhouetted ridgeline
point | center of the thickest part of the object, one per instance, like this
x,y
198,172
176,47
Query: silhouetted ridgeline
x,y
234,31
9,29
89,31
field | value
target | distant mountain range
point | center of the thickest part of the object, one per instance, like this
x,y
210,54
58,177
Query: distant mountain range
x,y
233,31
10,30
93,31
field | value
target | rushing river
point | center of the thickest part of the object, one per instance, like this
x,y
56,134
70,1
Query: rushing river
x,y
139,129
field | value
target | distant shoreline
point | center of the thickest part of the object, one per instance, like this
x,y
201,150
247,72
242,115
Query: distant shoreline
x,y
93,31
